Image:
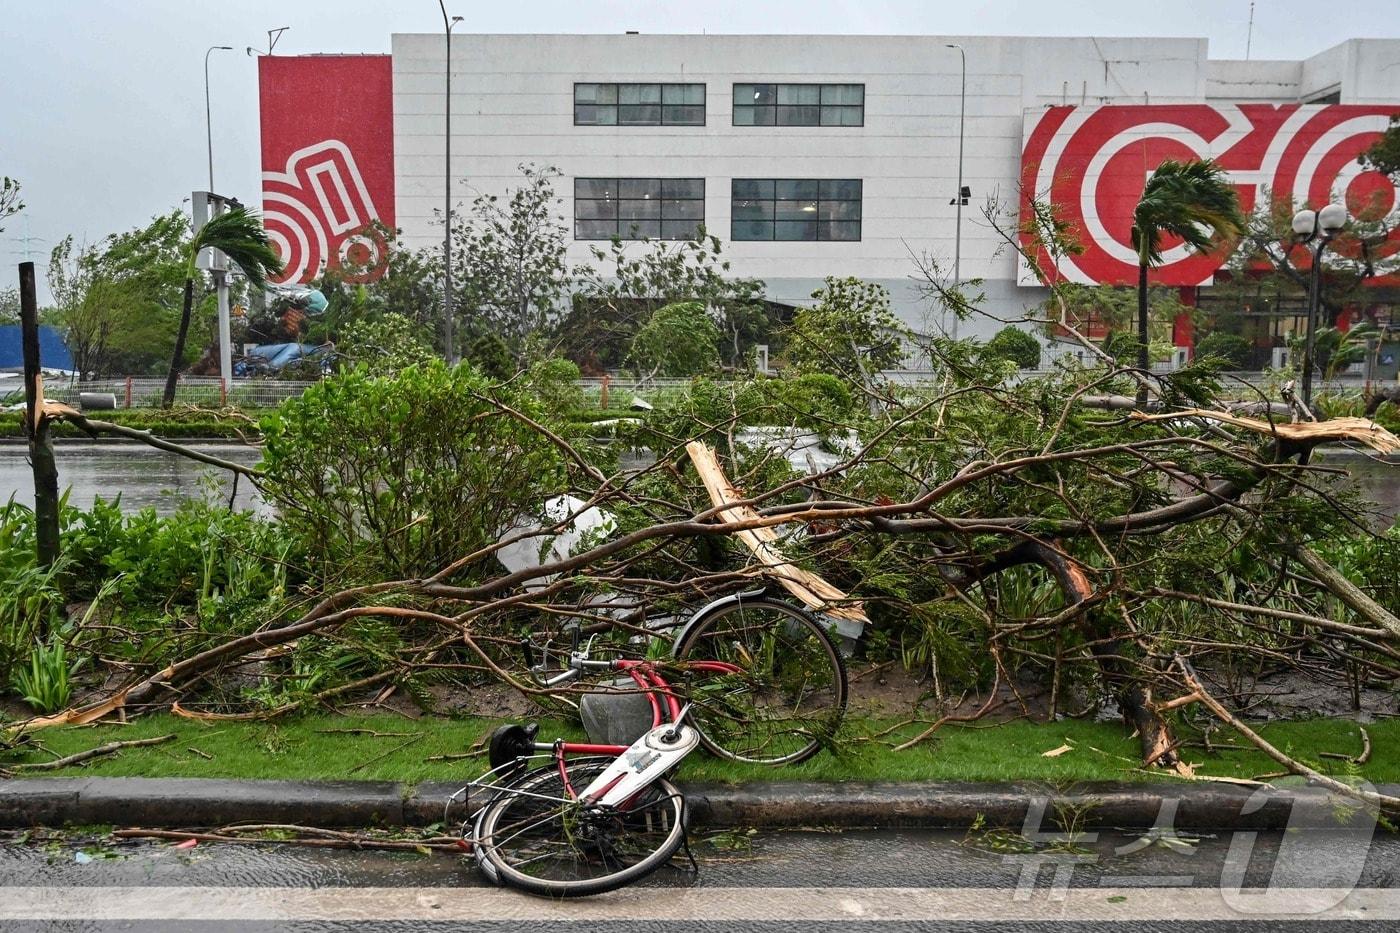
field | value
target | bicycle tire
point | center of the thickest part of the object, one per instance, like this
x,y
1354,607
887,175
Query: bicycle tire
x,y
752,718
516,830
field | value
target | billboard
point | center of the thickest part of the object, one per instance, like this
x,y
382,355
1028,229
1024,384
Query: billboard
x,y
1091,164
328,162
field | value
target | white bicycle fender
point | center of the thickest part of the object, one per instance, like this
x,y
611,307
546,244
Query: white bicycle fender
x,y
645,760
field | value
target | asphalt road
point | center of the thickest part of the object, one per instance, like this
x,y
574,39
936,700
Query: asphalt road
x,y
869,880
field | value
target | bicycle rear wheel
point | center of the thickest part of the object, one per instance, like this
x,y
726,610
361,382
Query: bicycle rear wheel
x,y
788,697
541,841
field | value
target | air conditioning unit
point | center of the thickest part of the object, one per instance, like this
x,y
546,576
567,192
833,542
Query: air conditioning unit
x,y
760,358
1180,357
1281,358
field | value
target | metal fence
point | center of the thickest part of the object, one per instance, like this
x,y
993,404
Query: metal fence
x,y
135,392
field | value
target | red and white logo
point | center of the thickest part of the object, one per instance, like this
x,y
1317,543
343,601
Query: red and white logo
x,y
328,162
1091,163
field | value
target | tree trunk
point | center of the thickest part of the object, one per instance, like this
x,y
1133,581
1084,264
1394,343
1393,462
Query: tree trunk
x,y
168,398
36,426
1142,356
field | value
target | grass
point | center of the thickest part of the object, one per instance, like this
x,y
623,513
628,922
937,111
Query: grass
x,y
307,748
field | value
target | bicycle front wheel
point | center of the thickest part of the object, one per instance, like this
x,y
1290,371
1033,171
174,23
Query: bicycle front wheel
x,y
788,695
540,840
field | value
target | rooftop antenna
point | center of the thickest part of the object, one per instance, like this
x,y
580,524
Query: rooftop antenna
x,y
1249,36
272,36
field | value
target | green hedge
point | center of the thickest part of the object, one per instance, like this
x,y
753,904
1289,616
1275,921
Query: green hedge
x,y
171,424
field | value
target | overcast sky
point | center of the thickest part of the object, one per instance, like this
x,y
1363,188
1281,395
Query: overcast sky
x,y
102,110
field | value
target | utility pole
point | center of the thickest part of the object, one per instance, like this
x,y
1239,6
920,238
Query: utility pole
x,y
447,24
219,268
962,123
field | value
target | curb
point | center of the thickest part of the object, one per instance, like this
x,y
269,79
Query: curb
x,y
182,802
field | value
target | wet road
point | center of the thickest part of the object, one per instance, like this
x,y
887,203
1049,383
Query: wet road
x,y
886,880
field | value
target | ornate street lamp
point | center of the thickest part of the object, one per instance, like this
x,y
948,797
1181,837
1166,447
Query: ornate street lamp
x,y
1317,228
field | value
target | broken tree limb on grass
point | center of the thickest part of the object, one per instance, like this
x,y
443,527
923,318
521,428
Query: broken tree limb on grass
x,y
1188,673
1349,593
57,411
111,748
1361,430
810,589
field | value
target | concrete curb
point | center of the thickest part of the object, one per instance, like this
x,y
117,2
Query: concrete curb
x,y
183,802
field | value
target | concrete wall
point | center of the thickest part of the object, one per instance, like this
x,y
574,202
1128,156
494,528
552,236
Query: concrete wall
x,y
513,103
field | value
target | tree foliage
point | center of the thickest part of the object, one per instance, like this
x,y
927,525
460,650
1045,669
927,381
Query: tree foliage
x,y
9,198
679,340
1014,344
383,345
849,330
1384,154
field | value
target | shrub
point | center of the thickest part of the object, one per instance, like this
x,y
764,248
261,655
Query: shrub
x,y
1232,348
46,683
395,477
679,340
1012,343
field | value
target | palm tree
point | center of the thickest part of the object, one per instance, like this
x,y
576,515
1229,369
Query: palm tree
x,y
1188,200
238,234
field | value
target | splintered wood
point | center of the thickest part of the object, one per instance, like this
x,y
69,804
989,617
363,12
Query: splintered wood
x,y
1361,430
809,588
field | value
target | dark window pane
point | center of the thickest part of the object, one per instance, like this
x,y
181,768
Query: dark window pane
x,y
687,115
752,188
839,210
683,94
752,209
795,230
795,210
751,230
638,115
682,187
803,189
841,188
639,187
639,94
595,187
595,229
678,229
589,115
750,94
843,116
754,116
799,116
799,94
683,210
586,209
841,230
638,210
636,229
595,93
843,93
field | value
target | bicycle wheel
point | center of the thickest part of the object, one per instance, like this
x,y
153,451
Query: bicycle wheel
x,y
789,696
539,840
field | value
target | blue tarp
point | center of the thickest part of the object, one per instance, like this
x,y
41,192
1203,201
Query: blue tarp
x,y
53,354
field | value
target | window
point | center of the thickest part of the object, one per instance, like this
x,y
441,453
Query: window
x,y
639,105
799,105
795,209
632,208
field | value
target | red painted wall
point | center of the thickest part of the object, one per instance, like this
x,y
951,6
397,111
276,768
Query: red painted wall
x,y
1091,163
328,162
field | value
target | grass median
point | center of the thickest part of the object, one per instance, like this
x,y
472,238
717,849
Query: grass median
x,y
384,747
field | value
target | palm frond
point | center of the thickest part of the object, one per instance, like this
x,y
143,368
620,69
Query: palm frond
x,y
238,233
1189,200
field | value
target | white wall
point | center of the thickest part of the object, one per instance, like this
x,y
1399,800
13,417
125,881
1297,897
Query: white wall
x,y
513,103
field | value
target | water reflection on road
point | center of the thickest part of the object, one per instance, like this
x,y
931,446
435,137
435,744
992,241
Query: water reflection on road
x,y
141,475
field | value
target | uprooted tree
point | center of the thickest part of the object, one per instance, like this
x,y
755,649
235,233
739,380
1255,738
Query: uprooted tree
x,y
997,529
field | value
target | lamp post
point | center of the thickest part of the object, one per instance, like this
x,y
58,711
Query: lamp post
x,y
1317,228
958,200
447,24
208,119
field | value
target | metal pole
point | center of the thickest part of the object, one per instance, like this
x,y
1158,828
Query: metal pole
x,y
957,235
208,119
447,24
1314,290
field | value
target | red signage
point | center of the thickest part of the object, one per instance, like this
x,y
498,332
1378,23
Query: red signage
x,y
328,162
1091,163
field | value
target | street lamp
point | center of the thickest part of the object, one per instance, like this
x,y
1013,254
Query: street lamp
x,y
447,24
958,200
1318,228
208,121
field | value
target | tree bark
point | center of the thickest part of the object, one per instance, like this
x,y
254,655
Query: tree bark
x,y
1142,355
36,427
168,398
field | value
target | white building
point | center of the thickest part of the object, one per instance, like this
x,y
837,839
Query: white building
x,y
859,132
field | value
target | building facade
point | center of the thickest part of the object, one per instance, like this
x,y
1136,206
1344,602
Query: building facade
x,y
813,156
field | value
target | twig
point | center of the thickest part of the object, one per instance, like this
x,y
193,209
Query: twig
x,y
111,748
438,843
1360,759
205,755
381,757
370,732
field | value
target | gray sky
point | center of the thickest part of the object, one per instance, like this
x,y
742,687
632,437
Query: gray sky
x,y
102,110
